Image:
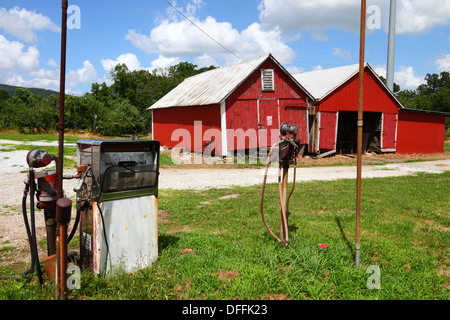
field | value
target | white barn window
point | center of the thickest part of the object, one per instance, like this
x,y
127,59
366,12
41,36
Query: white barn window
x,y
267,79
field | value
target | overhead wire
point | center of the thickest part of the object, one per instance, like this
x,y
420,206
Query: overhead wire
x,y
228,50
204,32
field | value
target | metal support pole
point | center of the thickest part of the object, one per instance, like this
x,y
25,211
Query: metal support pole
x,y
284,185
63,212
391,46
59,167
360,132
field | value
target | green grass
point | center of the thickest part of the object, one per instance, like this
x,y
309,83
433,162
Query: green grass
x,y
404,232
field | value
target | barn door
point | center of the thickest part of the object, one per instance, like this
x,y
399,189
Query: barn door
x,y
389,133
328,126
268,122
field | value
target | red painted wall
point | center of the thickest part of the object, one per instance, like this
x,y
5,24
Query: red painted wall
x,y
376,98
287,103
328,130
389,131
166,121
420,132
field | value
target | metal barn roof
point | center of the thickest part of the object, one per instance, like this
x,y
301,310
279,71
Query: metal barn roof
x,y
209,87
214,86
321,83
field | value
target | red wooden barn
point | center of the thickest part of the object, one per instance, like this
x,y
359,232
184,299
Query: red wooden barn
x,y
237,107
333,120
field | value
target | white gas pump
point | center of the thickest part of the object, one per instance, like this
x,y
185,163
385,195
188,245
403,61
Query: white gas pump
x,y
118,202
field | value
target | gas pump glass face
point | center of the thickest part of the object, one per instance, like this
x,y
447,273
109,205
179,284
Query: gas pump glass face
x,y
128,171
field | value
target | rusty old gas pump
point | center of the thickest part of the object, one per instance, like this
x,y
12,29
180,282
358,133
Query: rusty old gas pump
x,y
42,187
289,148
117,198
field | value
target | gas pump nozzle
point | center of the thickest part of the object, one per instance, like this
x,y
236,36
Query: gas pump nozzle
x,y
37,158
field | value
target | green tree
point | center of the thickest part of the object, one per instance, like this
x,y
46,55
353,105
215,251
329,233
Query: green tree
x,y
120,119
433,95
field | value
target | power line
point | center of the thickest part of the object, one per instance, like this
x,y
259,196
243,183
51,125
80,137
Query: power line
x,y
204,32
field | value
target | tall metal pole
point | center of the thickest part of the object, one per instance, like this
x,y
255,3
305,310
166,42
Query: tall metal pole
x,y
59,164
391,46
360,132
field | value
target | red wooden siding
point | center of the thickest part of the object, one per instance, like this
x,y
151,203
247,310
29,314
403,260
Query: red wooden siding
x,y
389,131
249,103
328,125
345,98
294,112
269,122
242,125
167,120
420,132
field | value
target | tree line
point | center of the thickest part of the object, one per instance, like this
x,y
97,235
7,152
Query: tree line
x,y
120,108
117,109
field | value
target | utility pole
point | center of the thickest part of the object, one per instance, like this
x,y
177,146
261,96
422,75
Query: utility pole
x,y
391,46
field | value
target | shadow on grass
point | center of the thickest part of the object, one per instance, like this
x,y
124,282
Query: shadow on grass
x,y
166,240
344,237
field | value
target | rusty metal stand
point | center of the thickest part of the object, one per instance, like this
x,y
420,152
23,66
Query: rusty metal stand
x,y
63,213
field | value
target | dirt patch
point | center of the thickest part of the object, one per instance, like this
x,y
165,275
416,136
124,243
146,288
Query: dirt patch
x,y
227,276
163,216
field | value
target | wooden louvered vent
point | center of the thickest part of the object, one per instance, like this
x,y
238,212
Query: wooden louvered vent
x,y
267,80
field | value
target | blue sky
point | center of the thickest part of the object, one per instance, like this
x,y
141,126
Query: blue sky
x,y
302,35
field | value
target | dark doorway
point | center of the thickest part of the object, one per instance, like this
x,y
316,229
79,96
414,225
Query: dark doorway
x,y
347,131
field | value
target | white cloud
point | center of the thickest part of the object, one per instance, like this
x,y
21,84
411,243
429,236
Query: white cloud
x,y
163,62
86,74
205,60
13,55
22,23
52,63
405,77
50,78
129,59
344,54
413,16
443,63
292,15
418,16
183,39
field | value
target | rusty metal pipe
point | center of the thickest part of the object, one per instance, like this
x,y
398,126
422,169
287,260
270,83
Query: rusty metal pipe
x,y
59,167
262,193
360,133
62,85
63,212
282,189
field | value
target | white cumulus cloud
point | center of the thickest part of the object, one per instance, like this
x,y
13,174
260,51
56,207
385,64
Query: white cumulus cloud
x,y
129,59
218,40
443,63
14,55
23,24
405,77
413,16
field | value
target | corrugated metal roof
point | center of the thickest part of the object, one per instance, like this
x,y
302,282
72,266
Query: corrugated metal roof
x,y
320,83
209,87
214,86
